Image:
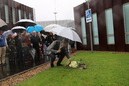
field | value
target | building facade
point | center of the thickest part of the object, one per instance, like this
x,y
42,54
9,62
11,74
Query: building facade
x,y
12,11
110,25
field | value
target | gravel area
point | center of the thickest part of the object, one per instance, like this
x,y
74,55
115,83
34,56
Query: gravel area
x,y
17,78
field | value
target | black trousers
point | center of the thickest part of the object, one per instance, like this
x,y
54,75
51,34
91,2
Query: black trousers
x,y
53,57
61,57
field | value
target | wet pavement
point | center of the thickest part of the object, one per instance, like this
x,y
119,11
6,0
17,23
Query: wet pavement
x,y
12,66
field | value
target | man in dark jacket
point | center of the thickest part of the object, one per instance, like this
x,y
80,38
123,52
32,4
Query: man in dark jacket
x,y
35,42
58,48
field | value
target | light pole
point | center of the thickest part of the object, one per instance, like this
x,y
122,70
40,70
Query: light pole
x,y
91,40
55,13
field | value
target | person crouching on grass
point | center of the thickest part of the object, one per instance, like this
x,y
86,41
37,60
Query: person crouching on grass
x,y
63,50
59,49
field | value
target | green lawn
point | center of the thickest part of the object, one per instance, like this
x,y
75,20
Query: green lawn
x,y
103,69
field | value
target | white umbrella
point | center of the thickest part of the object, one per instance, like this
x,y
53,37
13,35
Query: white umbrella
x,y
51,26
2,23
66,33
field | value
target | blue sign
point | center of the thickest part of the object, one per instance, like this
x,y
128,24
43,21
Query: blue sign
x,y
88,15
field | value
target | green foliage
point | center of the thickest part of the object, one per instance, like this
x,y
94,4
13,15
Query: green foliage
x,y
103,69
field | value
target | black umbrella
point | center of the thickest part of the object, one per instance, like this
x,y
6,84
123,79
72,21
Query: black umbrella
x,y
25,23
18,29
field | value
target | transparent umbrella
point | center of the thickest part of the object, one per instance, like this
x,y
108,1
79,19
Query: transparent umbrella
x,y
66,33
51,26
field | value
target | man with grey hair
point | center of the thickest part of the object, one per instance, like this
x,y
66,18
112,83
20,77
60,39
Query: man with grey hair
x,y
58,48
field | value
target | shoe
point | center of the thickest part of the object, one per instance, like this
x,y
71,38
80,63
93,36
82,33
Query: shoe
x,y
59,65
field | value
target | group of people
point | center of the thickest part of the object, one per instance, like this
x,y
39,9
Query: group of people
x,y
19,44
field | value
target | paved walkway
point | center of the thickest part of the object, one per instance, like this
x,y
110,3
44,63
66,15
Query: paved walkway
x,y
17,78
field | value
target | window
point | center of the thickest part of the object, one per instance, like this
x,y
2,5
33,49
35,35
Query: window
x,y
95,29
25,15
13,15
83,27
6,13
30,15
109,26
126,21
19,13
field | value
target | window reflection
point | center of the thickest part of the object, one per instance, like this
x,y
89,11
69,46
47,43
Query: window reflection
x,y
109,26
126,21
83,27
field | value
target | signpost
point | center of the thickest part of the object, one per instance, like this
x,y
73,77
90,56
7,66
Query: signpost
x,y
88,14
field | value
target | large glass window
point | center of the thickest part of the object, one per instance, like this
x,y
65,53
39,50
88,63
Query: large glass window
x,y
6,13
30,15
83,27
126,21
13,15
95,29
109,26
19,14
25,15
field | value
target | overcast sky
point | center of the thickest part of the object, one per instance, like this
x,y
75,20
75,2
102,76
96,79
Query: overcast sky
x,y
44,9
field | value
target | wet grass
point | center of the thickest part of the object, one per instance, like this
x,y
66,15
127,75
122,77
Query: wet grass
x,y
103,69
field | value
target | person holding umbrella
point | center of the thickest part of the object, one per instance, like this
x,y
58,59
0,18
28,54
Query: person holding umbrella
x,y
63,50
58,48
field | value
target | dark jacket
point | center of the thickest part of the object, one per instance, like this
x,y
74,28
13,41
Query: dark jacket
x,y
2,41
53,47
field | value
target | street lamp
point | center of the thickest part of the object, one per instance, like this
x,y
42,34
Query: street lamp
x,y
91,40
55,13
87,3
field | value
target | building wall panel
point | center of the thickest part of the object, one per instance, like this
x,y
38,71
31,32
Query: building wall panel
x,y
99,7
13,4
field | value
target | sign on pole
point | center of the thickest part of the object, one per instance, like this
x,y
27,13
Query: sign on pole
x,y
88,14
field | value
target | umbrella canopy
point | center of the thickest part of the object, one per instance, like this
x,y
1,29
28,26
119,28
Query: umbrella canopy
x,y
67,33
51,26
72,28
18,29
7,33
3,25
25,23
36,28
